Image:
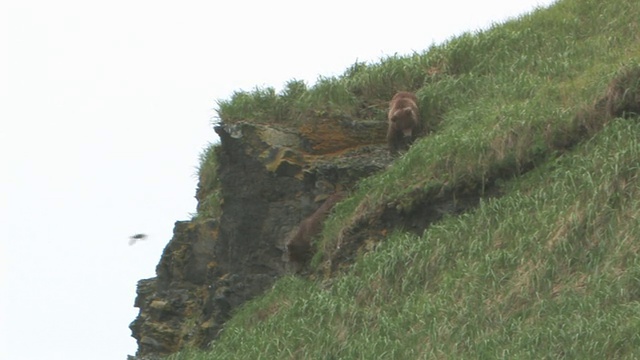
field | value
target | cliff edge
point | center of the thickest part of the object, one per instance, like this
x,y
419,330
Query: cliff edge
x,y
270,179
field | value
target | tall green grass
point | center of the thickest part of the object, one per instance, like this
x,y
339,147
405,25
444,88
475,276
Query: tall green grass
x,y
549,270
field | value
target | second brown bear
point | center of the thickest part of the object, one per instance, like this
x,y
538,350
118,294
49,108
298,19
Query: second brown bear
x,y
403,121
298,247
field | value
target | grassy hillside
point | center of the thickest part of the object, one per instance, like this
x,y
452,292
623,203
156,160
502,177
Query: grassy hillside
x,y
545,108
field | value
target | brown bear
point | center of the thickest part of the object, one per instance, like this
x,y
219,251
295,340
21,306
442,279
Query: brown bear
x,y
298,248
403,121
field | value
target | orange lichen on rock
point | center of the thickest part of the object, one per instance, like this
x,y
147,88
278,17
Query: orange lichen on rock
x,y
329,136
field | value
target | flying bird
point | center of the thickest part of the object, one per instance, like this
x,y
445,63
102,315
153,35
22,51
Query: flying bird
x,y
133,239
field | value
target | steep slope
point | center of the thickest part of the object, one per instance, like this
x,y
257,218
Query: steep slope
x,y
550,270
508,230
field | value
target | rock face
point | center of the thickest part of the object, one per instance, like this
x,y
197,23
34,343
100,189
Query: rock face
x,y
271,179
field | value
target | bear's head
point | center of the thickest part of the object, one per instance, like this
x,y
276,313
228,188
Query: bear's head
x,y
404,120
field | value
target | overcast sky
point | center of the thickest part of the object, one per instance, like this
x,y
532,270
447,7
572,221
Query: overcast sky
x,y
105,107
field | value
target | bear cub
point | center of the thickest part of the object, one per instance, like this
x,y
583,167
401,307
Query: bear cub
x,y
298,247
403,121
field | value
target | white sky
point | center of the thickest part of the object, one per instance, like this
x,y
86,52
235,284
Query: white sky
x,y
105,107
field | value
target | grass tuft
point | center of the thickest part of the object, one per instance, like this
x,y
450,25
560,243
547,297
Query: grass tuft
x,y
208,192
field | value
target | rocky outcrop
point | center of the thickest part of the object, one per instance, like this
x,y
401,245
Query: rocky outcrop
x,y
271,179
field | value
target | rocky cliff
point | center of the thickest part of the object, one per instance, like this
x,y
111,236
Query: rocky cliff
x,y
270,178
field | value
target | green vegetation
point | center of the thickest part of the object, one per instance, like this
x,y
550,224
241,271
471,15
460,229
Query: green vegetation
x,y
208,193
546,107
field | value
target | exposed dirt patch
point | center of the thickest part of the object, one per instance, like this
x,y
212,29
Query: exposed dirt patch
x,y
424,212
621,99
